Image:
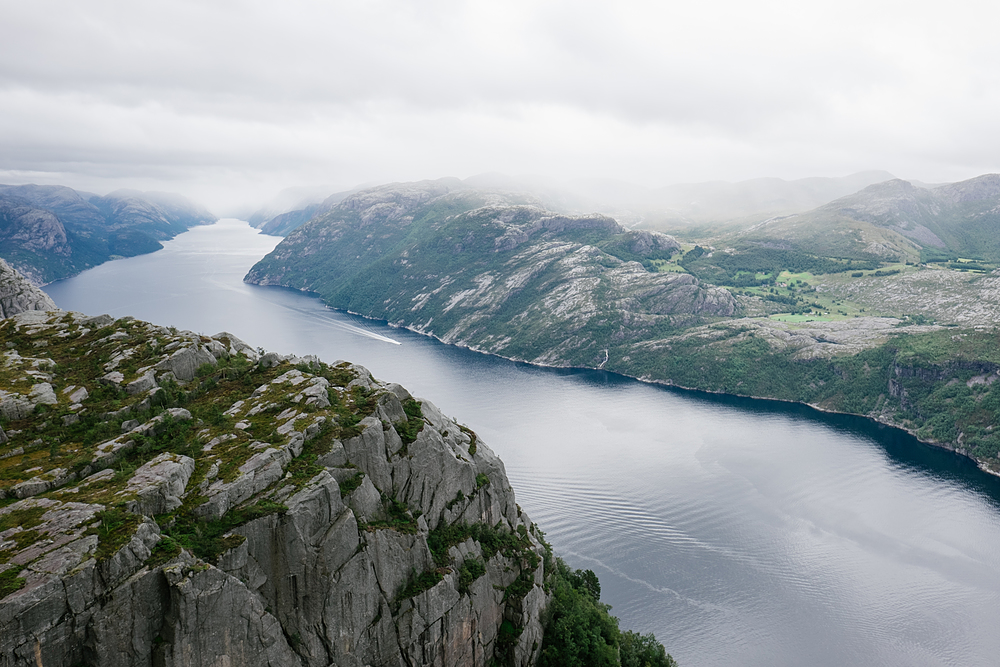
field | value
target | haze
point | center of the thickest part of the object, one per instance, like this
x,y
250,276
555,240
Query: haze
x,y
228,102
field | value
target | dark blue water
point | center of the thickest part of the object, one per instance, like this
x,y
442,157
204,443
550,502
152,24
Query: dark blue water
x,y
740,532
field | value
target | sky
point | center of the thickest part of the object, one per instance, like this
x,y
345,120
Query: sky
x,y
229,102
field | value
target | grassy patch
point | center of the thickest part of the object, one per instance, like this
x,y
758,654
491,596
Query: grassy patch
x,y
471,569
351,484
417,584
209,539
115,530
25,518
492,540
10,582
802,318
414,423
304,467
165,550
472,439
400,518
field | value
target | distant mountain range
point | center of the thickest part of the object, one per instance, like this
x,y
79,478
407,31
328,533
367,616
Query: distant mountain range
x,y
293,206
685,204
895,221
672,208
49,232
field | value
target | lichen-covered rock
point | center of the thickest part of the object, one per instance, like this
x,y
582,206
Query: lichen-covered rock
x,y
159,484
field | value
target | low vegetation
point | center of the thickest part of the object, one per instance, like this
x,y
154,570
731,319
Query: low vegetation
x,y
755,265
581,632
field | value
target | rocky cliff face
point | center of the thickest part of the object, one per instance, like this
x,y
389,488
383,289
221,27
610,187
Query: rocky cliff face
x,y
491,271
176,499
17,294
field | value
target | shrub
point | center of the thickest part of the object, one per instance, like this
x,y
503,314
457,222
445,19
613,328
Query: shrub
x,y
580,631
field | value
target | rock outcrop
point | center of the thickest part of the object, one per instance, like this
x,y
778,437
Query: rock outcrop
x,y
17,294
245,509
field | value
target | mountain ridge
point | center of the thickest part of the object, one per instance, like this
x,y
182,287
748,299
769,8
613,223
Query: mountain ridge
x,y
49,232
473,259
899,221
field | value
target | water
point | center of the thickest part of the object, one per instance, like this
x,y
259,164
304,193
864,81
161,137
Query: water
x,y
740,532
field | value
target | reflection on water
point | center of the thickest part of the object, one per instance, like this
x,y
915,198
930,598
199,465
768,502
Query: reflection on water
x,y
739,531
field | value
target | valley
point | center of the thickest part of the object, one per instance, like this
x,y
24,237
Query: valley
x,y
720,497
799,308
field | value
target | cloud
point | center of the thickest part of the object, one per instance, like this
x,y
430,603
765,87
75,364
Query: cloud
x,y
224,100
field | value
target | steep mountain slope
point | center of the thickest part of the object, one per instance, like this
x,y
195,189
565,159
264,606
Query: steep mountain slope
x,y
490,271
487,271
168,498
52,232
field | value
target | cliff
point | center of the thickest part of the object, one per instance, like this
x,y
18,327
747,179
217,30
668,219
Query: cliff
x,y
177,499
17,294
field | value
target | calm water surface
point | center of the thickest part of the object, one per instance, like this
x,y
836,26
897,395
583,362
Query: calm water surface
x,y
740,532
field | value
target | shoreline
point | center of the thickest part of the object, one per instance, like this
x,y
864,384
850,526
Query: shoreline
x,y
883,421
981,465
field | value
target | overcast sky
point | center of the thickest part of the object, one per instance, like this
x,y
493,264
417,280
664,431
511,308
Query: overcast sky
x,y
228,102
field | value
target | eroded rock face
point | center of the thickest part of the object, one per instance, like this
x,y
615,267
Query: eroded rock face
x,y
17,294
285,516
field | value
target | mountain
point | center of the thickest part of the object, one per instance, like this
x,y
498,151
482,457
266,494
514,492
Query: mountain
x,y
289,199
898,221
292,207
491,271
50,232
758,198
281,225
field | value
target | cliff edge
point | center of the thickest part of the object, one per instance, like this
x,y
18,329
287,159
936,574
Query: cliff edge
x,y
17,294
177,499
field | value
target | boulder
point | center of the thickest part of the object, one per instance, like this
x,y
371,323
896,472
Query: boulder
x,y
159,484
185,362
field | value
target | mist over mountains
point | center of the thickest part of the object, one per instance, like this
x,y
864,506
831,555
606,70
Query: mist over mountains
x,y
896,221
667,208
